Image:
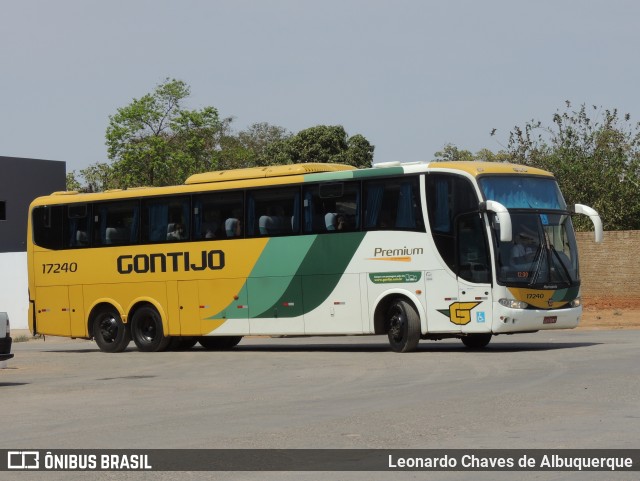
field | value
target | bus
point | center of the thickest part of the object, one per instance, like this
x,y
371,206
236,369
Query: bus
x,y
415,251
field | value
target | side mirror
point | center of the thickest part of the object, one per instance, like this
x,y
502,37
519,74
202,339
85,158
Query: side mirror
x,y
595,218
504,219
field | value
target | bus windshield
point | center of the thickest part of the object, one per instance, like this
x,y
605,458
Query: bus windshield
x,y
522,192
542,253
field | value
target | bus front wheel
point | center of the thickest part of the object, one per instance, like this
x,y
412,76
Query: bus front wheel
x,y
403,325
109,332
146,330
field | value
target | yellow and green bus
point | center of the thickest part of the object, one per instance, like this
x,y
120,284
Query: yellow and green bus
x,y
463,250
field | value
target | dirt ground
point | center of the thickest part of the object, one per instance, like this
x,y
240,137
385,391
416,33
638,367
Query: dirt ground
x,y
611,313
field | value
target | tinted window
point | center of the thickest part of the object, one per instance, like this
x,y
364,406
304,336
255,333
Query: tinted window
x,y
448,196
332,207
218,216
392,204
165,219
48,225
77,229
115,223
273,212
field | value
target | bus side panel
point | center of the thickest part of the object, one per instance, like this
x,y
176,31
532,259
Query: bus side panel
x,y
275,305
189,308
77,316
337,313
52,311
223,307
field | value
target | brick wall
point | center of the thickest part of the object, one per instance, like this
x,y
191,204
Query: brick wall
x,y
610,269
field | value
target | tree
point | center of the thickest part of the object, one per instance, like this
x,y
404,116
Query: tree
x,y
155,141
260,138
325,143
452,153
596,160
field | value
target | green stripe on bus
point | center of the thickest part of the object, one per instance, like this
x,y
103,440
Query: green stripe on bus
x,y
317,276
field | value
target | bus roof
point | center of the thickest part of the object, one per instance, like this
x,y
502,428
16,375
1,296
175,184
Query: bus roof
x,y
476,168
292,173
267,171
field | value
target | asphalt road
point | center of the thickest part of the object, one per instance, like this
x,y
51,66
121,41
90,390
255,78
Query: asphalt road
x,y
552,390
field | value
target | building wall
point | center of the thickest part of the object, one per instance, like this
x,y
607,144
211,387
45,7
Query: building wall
x,y
14,288
21,181
610,269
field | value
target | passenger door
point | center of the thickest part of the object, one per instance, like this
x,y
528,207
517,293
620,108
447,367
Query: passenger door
x,y
473,266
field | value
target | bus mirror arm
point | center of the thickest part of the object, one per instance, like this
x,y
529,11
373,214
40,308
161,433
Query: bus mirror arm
x,y
594,216
504,219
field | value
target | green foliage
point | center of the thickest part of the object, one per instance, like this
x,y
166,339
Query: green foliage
x,y
155,141
452,153
72,183
325,144
596,161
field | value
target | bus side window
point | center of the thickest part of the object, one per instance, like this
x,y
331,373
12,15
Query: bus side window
x,y
165,219
332,207
393,204
116,223
273,212
77,227
48,226
218,215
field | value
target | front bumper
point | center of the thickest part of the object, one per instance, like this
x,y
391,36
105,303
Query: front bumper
x,y
507,320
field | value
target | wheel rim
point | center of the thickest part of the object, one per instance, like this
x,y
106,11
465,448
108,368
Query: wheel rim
x,y
396,323
148,329
108,328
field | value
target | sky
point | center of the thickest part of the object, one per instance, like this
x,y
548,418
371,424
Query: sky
x,y
410,75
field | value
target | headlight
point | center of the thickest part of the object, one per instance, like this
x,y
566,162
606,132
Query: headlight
x,y
577,302
513,304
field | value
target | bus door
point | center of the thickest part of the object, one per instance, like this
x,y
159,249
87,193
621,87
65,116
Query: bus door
x,y
473,267
441,289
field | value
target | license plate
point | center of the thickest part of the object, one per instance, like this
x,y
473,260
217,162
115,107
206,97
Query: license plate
x,y
550,320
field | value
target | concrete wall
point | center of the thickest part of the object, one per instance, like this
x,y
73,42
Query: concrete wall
x,y
610,269
14,288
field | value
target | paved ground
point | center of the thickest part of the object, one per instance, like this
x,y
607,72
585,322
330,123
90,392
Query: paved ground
x,y
564,389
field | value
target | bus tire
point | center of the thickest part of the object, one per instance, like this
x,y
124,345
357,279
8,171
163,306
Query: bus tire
x,y
109,332
476,341
146,330
403,326
212,343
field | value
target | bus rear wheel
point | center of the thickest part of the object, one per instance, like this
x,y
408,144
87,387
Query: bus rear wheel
x,y
146,330
109,332
403,326
476,341
212,343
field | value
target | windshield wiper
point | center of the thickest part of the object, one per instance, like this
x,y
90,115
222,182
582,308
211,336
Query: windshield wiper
x,y
564,268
